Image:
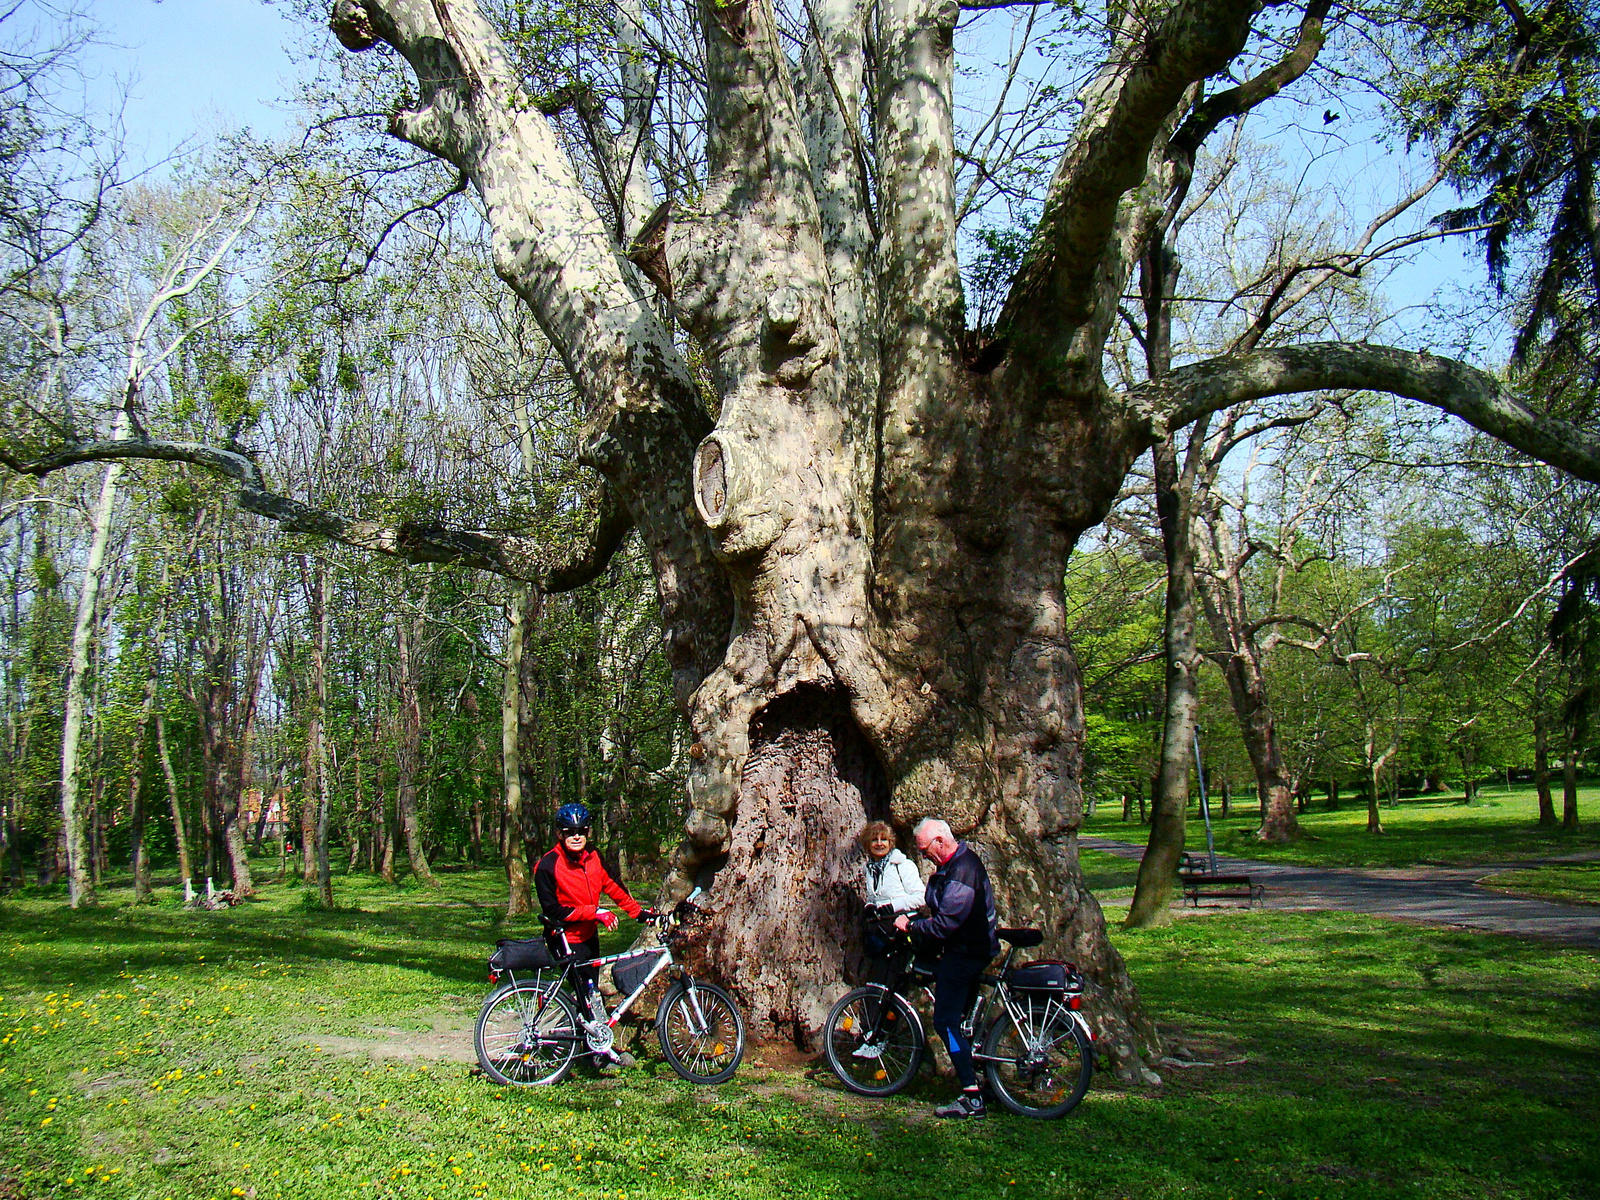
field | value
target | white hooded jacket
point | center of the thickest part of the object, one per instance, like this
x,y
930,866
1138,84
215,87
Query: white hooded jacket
x,y
893,880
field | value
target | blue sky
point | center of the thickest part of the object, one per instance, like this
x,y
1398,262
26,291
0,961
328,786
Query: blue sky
x,y
192,66
195,67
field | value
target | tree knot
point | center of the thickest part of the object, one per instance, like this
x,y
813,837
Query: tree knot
x,y
352,25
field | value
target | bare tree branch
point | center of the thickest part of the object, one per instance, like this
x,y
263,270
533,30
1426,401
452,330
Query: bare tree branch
x,y
1141,84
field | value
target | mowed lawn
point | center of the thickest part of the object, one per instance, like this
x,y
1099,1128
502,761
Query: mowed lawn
x,y
160,1053
1502,827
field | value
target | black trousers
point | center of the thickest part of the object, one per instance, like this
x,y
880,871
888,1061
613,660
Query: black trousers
x,y
587,979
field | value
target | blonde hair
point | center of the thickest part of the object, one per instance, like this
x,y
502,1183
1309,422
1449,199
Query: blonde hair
x,y
873,831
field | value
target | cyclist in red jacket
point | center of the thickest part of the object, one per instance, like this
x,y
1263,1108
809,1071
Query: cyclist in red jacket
x,y
570,880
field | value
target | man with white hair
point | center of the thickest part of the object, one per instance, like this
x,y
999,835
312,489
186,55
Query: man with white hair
x,y
961,928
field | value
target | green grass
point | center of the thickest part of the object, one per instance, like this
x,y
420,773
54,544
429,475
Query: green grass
x,y
1109,876
1501,827
1573,883
230,1054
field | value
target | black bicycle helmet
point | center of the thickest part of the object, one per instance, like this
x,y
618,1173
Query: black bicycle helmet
x,y
572,818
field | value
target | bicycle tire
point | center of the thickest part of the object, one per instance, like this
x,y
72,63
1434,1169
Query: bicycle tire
x,y
512,1049
899,1042
1043,1071
705,1055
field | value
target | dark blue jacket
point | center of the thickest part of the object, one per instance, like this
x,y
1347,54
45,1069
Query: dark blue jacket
x,y
961,904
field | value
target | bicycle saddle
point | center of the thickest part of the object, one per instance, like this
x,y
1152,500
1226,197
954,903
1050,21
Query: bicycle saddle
x,y
1021,938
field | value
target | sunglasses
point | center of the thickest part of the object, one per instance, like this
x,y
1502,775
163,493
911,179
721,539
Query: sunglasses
x,y
580,832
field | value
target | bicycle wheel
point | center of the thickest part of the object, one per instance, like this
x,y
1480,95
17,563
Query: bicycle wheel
x,y
701,1031
1041,1069
873,1043
527,1035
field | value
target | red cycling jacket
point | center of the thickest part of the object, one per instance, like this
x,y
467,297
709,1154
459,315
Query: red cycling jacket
x,y
570,887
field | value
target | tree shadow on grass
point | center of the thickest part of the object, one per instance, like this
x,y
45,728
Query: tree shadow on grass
x,y
99,944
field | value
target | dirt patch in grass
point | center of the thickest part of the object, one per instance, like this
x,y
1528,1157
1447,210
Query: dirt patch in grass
x,y
442,1045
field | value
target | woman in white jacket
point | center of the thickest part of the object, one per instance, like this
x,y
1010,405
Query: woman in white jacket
x,y
891,878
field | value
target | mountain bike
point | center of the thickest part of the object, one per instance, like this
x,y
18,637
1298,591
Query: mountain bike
x,y
533,1027
1036,1051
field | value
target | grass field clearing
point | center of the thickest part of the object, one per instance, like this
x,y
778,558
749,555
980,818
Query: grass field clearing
x,y
186,1055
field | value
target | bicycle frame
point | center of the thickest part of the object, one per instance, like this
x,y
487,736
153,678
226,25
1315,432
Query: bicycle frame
x,y
664,961
990,986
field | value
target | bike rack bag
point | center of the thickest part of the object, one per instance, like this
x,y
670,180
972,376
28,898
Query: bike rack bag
x,y
1048,978
530,954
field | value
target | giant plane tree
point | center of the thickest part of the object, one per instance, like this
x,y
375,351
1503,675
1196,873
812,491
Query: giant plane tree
x,y
858,508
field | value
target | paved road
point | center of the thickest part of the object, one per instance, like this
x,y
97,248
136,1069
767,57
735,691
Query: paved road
x,y
1438,895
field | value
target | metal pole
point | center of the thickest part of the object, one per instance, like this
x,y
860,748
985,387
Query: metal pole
x,y
1205,807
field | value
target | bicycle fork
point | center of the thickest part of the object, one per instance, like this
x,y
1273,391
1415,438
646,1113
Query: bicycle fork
x,y
699,1026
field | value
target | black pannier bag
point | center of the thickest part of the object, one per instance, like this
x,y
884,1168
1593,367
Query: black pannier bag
x,y
631,972
533,954
1044,979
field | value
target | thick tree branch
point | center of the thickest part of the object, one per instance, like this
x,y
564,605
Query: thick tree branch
x,y
916,165
553,248
1238,100
756,230
1125,111
1451,386
510,555
833,66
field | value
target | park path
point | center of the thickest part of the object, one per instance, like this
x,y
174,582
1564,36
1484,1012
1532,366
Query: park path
x,y
1436,895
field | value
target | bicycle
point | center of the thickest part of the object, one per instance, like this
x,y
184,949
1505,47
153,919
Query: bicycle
x,y
531,1031
1037,1052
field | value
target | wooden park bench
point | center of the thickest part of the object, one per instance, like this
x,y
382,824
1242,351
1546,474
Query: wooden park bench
x,y
1198,882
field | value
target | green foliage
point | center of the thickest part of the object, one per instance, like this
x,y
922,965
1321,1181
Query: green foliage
x,y
230,400
1515,88
1115,612
989,269
45,576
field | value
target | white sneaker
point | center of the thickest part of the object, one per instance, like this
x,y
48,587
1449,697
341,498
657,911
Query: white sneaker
x,y
868,1050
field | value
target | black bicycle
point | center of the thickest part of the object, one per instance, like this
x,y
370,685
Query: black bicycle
x,y
1037,1051
533,1027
